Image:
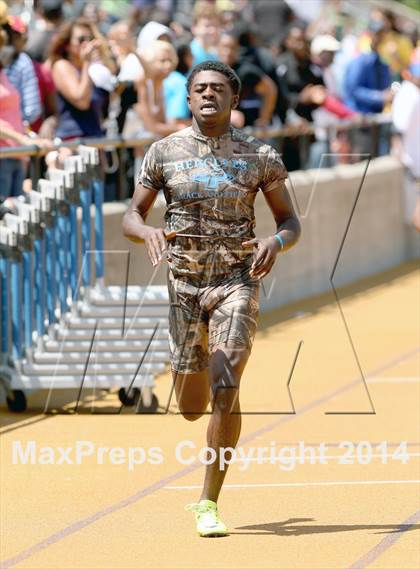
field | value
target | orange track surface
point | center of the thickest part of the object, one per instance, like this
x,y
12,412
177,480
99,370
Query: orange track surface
x,y
303,515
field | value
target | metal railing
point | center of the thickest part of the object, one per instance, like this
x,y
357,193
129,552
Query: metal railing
x,y
303,133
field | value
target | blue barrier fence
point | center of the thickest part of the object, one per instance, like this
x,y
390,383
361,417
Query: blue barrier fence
x,y
39,252
55,309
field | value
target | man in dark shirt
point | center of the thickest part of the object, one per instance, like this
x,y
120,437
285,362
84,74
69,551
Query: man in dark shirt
x,y
210,174
302,89
298,75
259,93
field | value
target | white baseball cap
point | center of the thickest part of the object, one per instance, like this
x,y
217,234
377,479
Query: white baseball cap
x,y
324,42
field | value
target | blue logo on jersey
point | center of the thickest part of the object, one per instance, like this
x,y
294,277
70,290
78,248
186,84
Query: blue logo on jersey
x,y
212,181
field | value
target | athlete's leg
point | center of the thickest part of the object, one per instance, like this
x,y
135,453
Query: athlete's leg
x,y
192,392
232,327
225,370
188,345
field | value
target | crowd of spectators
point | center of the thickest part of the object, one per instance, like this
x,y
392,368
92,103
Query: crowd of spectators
x,y
77,68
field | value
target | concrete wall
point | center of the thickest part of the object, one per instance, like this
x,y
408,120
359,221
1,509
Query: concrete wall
x,y
376,240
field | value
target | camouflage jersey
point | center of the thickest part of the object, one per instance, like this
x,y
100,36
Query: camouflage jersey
x,y
210,185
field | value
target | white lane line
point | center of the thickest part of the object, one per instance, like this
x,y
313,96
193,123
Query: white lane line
x,y
287,484
401,379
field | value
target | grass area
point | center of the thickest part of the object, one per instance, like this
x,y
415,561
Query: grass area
x,y
413,4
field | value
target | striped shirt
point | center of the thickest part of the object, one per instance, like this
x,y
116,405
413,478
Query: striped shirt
x,y
22,75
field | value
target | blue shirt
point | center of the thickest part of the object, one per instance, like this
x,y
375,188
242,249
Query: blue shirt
x,y
200,54
175,96
77,123
21,74
366,79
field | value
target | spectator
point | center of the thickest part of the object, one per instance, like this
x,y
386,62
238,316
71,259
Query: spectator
x,y
47,122
406,119
368,80
323,49
264,59
331,19
75,48
131,70
394,48
104,82
348,51
73,9
250,50
182,18
21,72
206,31
259,93
4,14
416,214
299,77
151,32
302,90
367,91
45,84
175,86
12,132
95,13
308,11
159,60
228,14
122,43
50,17
271,16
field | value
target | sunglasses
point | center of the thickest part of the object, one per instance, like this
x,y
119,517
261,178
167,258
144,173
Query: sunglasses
x,y
82,39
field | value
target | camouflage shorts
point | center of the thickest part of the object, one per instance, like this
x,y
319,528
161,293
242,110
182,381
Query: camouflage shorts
x,y
202,317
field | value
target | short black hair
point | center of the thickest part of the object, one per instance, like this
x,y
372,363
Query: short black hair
x,y
51,9
183,49
234,81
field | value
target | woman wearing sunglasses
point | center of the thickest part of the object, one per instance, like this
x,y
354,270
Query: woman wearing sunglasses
x,y
77,46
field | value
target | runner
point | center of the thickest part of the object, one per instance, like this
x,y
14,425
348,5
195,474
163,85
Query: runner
x,y
210,174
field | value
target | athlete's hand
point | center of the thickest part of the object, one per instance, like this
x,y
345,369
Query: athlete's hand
x,y
265,253
155,240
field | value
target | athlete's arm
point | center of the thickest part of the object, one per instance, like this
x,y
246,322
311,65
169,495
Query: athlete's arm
x,y
288,228
135,228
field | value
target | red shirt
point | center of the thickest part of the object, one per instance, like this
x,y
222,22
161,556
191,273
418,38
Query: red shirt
x,y
10,112
46,86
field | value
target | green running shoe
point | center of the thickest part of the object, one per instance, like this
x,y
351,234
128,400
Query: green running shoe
x,y
207,519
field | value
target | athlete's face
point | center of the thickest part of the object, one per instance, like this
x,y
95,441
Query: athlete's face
x,y
211,98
